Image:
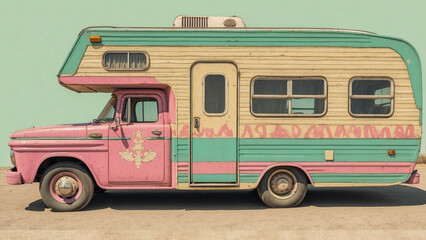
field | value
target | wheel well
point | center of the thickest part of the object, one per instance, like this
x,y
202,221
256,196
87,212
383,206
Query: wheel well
x,y
308,179
50,161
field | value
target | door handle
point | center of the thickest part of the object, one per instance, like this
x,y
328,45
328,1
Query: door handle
x,y
95,135
197,122
156,132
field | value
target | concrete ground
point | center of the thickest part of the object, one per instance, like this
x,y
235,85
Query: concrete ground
x,y
395,212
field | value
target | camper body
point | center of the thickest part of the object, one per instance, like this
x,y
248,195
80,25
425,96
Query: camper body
x,y
266,109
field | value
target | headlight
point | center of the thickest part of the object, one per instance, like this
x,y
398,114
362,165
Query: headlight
x,y
12,157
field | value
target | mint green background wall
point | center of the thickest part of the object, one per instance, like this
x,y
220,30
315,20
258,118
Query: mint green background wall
x,y
36,36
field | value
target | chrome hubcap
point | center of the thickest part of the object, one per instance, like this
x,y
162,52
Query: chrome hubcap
x,y
66,187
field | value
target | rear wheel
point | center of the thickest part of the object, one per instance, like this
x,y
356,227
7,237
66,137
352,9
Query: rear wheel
x,y
66,187
285,187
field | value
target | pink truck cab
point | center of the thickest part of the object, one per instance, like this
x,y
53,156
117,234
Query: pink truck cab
x,y
107,153
202,108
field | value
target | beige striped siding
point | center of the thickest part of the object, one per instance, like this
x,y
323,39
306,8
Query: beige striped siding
x,y
171,65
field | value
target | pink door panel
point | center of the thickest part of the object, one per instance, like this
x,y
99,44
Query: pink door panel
x,y
137,149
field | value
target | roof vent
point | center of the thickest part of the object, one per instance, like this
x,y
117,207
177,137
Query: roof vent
x,y
208,22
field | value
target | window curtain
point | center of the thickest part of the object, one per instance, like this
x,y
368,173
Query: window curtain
x,y
116,60
137,60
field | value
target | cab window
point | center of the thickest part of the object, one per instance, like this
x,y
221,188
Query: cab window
x,y
140,110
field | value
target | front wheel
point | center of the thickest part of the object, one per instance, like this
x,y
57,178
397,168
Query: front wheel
x,y
285,187
66,187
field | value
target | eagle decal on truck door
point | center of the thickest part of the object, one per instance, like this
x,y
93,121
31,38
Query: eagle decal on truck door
x,y
137,155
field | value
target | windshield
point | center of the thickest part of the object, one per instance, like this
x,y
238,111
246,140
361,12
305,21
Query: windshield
x,y
108,113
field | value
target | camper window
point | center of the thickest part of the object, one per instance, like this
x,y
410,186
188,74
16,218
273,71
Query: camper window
x,y
125,61
371,97
215,94
141,110
273,96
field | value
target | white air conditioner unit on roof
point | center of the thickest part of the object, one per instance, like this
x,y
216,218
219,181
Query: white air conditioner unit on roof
x,y
208,22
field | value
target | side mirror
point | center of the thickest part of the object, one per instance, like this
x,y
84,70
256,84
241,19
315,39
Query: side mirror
x,y
117,124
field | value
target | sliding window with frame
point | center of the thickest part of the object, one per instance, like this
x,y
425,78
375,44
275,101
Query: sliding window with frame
x,y
133,61
289,96
371,96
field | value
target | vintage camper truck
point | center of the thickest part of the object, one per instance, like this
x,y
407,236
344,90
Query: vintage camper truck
x,y
228,107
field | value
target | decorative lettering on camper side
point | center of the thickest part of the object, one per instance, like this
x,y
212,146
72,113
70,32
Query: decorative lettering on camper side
x,y
306,131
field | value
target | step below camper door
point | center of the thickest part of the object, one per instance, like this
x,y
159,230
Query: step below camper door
x,y
214,123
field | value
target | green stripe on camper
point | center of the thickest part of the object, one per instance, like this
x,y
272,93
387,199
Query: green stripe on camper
x,y
181,149
313,150
218,149
249,178
183,177
214,178
307,150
